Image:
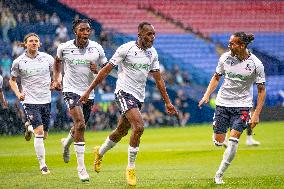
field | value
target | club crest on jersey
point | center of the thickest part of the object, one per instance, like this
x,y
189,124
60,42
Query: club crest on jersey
x,y
31,117
148,54
71,101
90,50
248,67
131,102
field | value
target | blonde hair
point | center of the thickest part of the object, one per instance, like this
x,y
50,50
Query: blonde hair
x,y
22,44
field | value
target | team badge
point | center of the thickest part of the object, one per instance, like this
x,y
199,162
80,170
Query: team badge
x,y
248,67
31,117
130,102
90,50
148,54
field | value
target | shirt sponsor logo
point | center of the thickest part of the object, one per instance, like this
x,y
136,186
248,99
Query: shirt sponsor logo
x,y
139,66
79,62
35,71
239,76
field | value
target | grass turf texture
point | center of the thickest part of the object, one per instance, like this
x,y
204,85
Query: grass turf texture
x,y
168,158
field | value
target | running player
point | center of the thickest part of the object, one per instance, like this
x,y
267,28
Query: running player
x,y
135,60
241,70
80,57
34,69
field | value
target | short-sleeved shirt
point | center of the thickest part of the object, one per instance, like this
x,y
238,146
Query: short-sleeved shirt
x,y
77,73
237,88
35,77
134,65
1,82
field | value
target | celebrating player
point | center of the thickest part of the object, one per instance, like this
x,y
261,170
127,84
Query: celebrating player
x,y
34,69
135,60
80,57
241,70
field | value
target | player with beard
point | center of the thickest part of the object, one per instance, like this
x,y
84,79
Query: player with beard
x,y
80,57
135,60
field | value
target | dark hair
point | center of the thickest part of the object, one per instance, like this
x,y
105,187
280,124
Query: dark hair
x,y
79,21
244,38
142,24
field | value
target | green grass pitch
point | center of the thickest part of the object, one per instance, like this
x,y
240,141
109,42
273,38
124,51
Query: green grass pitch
x,y
168,158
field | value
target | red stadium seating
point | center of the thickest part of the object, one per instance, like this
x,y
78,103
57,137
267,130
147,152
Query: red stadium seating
x,y
124,18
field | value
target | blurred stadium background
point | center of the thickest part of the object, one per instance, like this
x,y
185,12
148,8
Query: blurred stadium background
x,y
191,35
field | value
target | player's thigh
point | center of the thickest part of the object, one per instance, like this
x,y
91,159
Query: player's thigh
x,y
123,124
134,117
74,107
87,109
33,114
240,118
221,121
45,116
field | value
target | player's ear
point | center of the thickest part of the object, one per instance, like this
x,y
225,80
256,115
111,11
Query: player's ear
x,y
39,45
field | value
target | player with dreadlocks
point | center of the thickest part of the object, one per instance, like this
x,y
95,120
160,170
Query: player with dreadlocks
x,y
80,57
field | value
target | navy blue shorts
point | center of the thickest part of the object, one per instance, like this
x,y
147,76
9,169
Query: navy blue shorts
x,y
126,101
38,114
230,117
72,100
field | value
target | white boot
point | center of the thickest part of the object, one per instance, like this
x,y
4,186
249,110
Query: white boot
x,y
251,142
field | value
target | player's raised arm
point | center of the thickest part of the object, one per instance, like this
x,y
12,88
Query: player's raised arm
x,y
99,78
170,109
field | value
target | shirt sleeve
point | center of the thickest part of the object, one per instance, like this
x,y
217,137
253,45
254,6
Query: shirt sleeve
x,y
50,62
15,72
155,63
220,67
118,56
260,74
102,58
59,52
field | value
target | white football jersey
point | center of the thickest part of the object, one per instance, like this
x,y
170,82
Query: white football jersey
x,y
77,74
237,88
134,64
35,77
1,81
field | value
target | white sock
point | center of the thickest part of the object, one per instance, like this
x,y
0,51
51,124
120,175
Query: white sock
x,y
40,150
68,141
79,148
30,128
249,137
229,155
132,154
106,146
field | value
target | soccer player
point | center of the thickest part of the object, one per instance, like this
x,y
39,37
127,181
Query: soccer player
x,y
34,69
241,69
2,97
80,57
135,60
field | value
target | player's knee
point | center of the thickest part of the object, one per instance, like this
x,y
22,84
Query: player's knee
x,y
124,133
138,129
218,142
80,126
